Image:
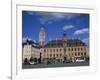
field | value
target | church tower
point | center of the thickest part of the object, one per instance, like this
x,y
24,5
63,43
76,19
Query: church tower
x,y
42,36
64,36
64,39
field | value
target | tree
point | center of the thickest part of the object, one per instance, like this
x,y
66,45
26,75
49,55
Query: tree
x,y
25,61
35,59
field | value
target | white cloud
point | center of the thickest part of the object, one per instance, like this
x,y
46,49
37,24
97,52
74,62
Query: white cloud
x,y
81,31
49,22
30,12
25,38
86,41
53,16
66,27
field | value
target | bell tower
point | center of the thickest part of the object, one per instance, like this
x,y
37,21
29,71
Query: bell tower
x,y
42,36
64,36
64,39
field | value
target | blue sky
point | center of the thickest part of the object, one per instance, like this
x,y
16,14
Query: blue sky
x,y
75,25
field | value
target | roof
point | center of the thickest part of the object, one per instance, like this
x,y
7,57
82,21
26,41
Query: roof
x,y
56,43
31,42
69,43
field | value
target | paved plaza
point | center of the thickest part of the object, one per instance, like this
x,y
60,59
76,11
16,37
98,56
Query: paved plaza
x,y
55,65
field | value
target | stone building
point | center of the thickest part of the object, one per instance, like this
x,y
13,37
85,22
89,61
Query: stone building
x,y
64,48
58,49
30,49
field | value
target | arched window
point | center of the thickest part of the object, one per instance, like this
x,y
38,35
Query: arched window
x,y
54,55
78,53
85,53
75,54
75,49
78,49
50,50
57,50
57,55
81,54
72,49
53,50
60,50
81,49
25,60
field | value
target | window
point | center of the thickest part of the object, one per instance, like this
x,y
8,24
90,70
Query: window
x,y
82,54
57,55
85,53
50,50
60,50
78,54
78,49
53,55
53,50
75,49
75,54
57,50
72,49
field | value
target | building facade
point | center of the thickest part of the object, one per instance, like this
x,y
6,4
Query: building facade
x,y
30,50
64,48
58,49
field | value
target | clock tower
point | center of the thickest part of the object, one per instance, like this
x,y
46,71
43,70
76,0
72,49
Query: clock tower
x,y
64,36
42,36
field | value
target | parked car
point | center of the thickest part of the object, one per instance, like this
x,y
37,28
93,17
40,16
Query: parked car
x,y
80,60
67,61
32,63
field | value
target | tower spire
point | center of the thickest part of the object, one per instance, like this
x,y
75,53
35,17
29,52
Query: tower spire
x,y
64,36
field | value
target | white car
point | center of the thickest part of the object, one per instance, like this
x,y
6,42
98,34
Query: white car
x,y
32,63
80,60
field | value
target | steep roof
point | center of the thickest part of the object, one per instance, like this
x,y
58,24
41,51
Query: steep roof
x,y
69,43
31,42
